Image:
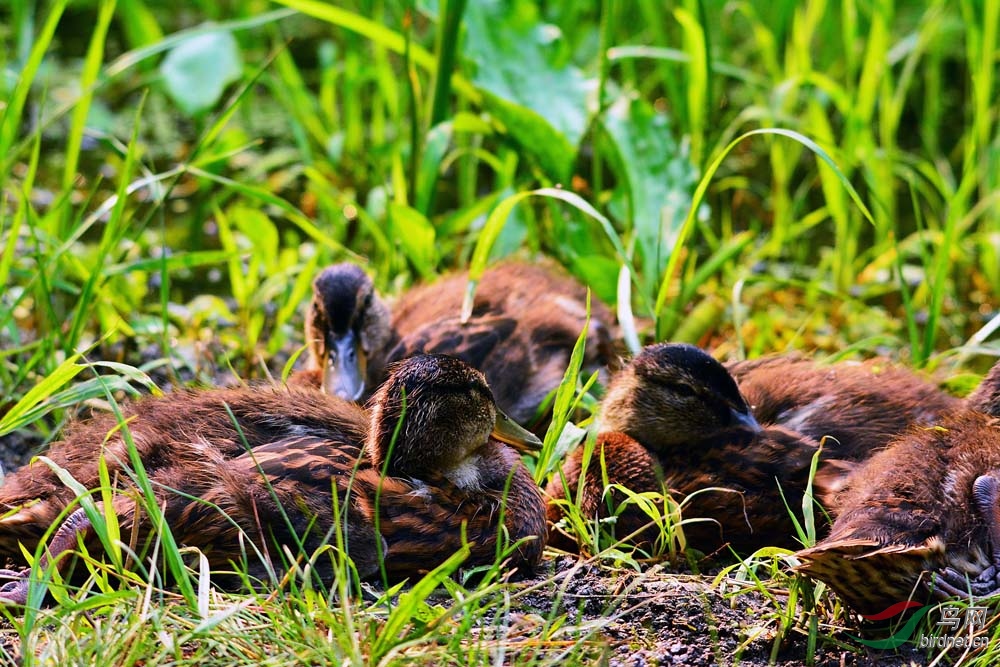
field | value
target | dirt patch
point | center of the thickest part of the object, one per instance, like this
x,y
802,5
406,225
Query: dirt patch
x,y
657,617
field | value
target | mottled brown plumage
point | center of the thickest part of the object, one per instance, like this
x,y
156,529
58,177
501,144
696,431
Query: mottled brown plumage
x,y
858,406
676,412
447,470
524,322
167,431
921,516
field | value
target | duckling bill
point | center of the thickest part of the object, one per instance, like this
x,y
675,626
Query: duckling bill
x,y
347,328
430,470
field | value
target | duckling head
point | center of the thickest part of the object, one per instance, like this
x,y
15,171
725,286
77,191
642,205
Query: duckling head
x,y
672,395
435,415
346,324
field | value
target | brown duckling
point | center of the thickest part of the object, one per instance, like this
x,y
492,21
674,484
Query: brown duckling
x,y
920,517
858,407
446,471
524,323
676,412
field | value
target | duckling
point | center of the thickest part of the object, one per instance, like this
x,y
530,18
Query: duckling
x,y
675,413
524,323
919,519
435,465
858,407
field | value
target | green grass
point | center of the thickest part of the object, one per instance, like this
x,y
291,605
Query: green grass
x,y
817,176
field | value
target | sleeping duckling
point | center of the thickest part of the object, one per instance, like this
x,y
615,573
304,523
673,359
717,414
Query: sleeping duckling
x,y
675,413
524,323
435,433
921,518
858,407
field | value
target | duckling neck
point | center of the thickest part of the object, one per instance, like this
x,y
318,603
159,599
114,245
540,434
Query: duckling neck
x,y
466,474
394,460
486,469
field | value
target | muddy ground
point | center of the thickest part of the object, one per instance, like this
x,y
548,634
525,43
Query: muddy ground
x,y
661,618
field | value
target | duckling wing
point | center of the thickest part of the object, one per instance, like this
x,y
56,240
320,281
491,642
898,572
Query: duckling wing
x,y
860,406
285,491
503,349
867,575
425,522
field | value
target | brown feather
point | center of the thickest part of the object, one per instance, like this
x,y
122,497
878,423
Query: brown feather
x,y
858,407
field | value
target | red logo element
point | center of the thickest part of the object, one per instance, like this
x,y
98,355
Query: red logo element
x,y
895,609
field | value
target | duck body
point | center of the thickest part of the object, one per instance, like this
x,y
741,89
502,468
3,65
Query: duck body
x,y
919,518
420,520
167,431
675,414
281,495
524,323
858,407
427,464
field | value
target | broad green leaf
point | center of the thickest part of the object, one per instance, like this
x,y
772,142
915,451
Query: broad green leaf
x,y
139,23
197,70
546,105
598,272
657,178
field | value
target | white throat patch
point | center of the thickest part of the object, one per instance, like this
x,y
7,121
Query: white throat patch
x,y
466,474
